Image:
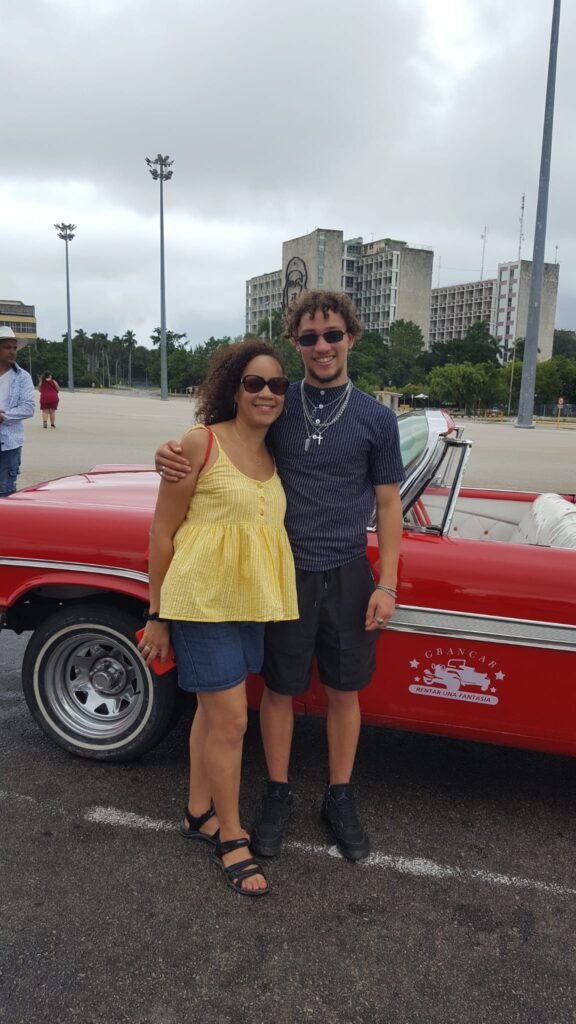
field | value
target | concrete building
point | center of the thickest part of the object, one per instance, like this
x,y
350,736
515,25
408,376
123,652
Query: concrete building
x,y
263,294
21,318
502,302
387,280
511,306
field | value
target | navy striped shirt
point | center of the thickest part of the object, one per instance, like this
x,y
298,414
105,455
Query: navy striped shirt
x,y
330,487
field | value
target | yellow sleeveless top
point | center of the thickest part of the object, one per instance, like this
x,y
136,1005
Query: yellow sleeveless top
x,y
232,560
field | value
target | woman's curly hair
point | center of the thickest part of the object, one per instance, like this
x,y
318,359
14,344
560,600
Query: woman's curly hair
x,y
327,302
216,393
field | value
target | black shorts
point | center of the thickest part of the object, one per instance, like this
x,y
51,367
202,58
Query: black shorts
x,y
332,609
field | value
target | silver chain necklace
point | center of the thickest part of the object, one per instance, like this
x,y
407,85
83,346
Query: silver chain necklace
x,y
321,405
314,429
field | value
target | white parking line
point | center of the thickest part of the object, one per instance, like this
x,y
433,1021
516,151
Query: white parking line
x,y
418,867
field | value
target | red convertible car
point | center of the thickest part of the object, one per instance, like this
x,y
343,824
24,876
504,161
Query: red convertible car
x,y
482,645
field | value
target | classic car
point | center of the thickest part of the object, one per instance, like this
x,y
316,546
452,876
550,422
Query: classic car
x,y
482,645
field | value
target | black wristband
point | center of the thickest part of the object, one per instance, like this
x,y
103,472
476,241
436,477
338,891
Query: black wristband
x,y
153,617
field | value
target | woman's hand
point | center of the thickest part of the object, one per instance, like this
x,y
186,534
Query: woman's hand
x,y
155,642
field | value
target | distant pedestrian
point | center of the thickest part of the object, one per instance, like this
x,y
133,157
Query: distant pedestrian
x,y
49,397
16,404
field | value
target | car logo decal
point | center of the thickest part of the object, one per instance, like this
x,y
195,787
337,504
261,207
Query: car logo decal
x,y
456,674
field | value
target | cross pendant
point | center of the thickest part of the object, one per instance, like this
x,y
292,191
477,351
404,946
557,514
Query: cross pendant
x,y
317,437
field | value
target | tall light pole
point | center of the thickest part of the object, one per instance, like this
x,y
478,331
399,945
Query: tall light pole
x,y
528,385
66,233
159,169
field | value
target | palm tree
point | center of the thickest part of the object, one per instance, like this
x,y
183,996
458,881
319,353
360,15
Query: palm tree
x,y
82,344
130,343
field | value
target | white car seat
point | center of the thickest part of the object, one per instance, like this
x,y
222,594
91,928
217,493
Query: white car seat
x,y
550,521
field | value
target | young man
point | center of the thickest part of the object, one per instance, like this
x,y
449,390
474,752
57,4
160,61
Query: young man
x,y
337,451
17,401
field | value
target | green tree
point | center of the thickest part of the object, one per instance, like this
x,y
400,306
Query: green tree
x,y
369,359
172,339
130,344
201,355
556,378
477,346
404,347
469,386
264,327
564,344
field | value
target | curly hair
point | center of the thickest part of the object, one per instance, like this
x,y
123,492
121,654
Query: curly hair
x,y
216,393
328,302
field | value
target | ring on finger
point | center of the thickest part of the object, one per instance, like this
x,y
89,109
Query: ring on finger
x,y
380,622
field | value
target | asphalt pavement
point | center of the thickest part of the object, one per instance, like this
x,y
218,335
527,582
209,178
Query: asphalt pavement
x,y
464,912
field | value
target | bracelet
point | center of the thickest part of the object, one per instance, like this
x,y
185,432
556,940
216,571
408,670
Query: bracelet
x,y
153,617
387,590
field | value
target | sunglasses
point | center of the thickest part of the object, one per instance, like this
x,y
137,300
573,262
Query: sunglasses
x,y
332,337
253,383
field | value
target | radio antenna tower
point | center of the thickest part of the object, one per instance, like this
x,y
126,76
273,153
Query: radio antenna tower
x,y
483,237
521,222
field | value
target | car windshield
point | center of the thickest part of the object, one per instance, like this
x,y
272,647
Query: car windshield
x,y
414,432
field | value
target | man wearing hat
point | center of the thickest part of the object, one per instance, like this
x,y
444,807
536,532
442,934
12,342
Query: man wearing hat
x,y
17,403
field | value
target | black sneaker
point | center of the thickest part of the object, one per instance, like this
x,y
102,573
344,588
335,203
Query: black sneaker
x,y
269,827
339,813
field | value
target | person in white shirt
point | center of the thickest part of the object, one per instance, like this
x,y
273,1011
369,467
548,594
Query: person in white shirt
x,y
17,403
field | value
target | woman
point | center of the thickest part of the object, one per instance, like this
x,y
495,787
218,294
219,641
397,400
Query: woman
x,y
220,567
49,398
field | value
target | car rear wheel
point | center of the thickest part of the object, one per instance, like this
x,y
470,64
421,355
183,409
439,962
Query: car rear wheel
x,y
88,688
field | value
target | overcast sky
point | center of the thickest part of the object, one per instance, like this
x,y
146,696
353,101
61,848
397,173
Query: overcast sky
x,y
414,119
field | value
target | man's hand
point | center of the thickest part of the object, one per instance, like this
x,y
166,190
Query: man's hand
x,y
380,610
170,463
2,416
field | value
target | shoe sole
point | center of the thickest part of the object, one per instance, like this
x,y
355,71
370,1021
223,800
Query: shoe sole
x,y
349,852
202,837
265,849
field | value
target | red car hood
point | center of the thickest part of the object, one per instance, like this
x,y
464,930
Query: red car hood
x,y
102,516
103,486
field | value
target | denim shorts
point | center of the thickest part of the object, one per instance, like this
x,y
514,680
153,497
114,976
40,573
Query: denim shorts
x,y
213,656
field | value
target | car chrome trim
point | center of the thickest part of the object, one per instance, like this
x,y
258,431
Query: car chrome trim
x,y
465,448
557,636
101,570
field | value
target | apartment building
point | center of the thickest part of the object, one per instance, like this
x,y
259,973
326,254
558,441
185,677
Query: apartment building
x,y
20,317
511,306
502,302
263,294
387,279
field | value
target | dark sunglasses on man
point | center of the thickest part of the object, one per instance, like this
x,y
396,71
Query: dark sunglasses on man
x,y
331,336
253,383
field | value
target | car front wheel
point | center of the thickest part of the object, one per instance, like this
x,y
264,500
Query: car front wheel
x,y
88,688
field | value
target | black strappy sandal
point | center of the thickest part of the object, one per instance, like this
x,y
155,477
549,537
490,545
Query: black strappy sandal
x,y
238,873
193,830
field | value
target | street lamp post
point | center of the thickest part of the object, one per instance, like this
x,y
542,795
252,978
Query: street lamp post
x,y
66,233
528,384
159,169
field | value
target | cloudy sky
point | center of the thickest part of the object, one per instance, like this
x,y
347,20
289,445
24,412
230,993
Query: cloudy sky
x,y
415,119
